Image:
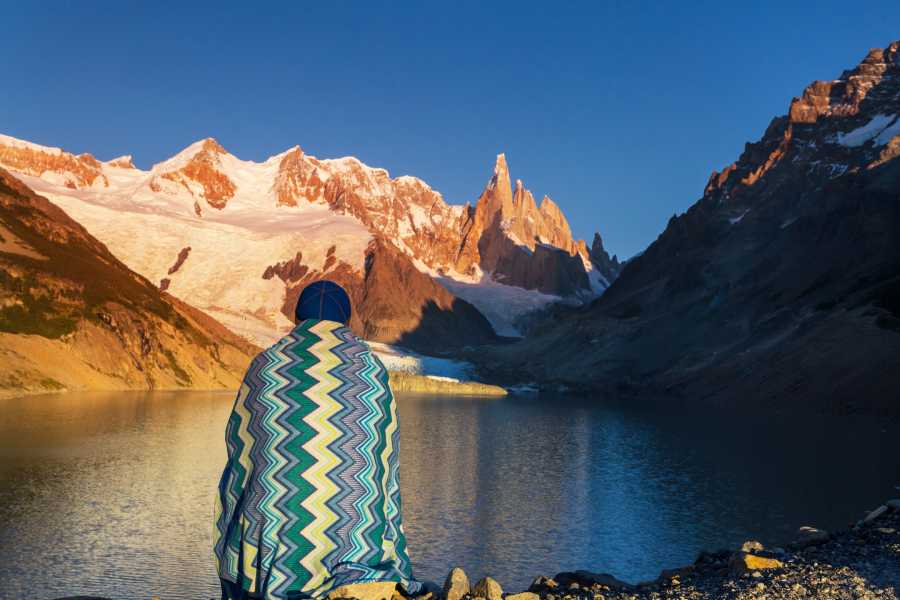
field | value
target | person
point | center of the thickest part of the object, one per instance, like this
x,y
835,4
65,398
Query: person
x,y
309,502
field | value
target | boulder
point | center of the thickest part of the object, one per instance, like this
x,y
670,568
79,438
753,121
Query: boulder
x,y
751,546
372,590
542,584
875,514
523,596
588,579
742,563
811,536
488,589
457,584
893,504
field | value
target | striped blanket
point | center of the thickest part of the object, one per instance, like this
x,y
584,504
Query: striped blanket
x,y
309,500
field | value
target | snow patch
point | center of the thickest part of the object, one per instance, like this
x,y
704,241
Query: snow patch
x,y
400,359
501,304
737,219
879,128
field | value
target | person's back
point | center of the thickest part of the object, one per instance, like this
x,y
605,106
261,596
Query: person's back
x,y
309,500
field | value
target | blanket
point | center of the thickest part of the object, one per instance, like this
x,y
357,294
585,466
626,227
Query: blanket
x,y
309,500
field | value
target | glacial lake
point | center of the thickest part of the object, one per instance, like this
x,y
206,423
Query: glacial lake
x,y
112,493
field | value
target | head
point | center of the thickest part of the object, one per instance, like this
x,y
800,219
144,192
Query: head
x,y
323,300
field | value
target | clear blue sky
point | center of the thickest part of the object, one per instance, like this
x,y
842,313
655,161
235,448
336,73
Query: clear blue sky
x,y
619,112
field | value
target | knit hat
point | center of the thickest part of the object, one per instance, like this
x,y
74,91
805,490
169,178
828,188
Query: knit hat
x,y
323,300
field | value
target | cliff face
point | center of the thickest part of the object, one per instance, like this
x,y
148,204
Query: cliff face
x,y
521,243
780,284
73,317
425,316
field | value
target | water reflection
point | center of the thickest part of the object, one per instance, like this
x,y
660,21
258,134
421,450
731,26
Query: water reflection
x,y
112,493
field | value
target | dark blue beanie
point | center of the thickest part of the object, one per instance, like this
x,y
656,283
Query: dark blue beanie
x,y
323,300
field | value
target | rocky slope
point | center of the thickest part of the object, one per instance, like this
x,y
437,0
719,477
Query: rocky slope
x,y
214,231
781,284
73,317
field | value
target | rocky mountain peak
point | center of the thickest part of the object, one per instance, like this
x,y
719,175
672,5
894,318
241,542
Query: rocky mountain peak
x,y
843,96
608,267
122,162
74,172
835,127
211,145
198,169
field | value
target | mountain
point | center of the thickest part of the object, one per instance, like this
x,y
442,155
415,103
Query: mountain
x,y
780,285
238,238
73,317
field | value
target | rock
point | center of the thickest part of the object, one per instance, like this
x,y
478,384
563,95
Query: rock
x,y
893,504
712,559
875,514
742,563
667,574
887,530
811,536
541,584
751,546
457,584
377,590
523,596
488,589
588,579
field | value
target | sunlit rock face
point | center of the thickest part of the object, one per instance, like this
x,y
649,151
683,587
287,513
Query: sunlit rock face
x,y
257,228
74,317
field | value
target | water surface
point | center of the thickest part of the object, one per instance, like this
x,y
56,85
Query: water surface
x,y
112,493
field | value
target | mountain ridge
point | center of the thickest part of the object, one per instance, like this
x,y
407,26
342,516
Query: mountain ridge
x,y
293,201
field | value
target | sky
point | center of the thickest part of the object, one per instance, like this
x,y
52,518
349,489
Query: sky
x,y
617,111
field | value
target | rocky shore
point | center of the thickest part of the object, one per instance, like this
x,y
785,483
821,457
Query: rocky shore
x,y
862,562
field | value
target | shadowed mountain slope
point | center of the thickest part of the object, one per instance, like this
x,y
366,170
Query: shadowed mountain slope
x,y
780,286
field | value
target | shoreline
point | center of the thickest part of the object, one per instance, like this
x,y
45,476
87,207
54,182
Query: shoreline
x,y
862,561
400,381
429,384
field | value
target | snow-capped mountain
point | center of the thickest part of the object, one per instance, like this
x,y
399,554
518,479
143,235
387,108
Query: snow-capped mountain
x,y
238,239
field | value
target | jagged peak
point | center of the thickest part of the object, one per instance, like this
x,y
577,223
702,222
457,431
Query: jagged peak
x,y
212,145
206,146
293,151
126,161
547,204
500,164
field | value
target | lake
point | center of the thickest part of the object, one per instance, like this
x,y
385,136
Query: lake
x,y
112,493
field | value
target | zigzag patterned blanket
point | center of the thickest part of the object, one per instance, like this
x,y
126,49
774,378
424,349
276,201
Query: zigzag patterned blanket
x,y
309,500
